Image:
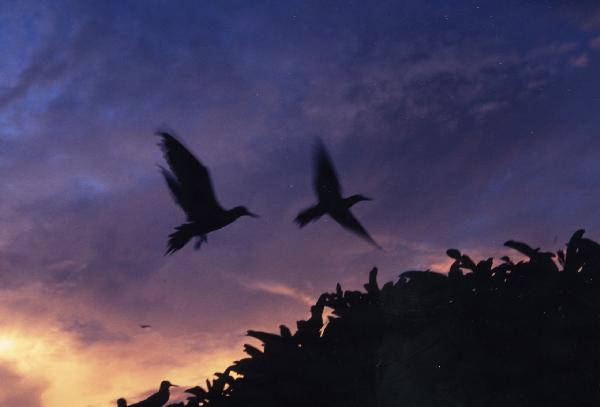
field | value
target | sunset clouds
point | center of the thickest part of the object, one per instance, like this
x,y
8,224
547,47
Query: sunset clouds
x,y
468,124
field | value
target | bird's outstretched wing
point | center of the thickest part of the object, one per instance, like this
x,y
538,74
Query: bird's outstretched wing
x,y
189,180
309,215
348,221
174,187
326,183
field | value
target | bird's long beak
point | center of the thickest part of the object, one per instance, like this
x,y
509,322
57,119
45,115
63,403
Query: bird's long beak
x,y
366,198
252,214
174,385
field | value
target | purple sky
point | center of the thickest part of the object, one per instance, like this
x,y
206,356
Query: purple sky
x,y
468,124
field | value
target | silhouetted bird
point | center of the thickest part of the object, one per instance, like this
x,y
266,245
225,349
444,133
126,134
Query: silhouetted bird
x,y
192,190
158,399
121,402
329,193
145,326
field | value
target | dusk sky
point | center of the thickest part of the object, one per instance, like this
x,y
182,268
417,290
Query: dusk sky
x,y
470,124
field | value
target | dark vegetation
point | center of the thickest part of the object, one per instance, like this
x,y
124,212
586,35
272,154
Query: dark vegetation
x,y
521,333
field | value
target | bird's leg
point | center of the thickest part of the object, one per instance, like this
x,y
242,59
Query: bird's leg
x,y
201,239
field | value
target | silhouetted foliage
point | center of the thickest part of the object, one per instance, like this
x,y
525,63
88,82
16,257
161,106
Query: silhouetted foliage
x,y
509,334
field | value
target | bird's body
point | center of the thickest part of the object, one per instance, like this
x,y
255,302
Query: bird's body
x,y
202,226
331,202
191,187
158,399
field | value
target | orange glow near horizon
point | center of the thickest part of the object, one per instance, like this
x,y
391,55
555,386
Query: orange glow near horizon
x,y
67,372
64,370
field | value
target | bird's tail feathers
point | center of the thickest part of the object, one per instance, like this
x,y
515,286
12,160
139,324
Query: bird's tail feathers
x,y
183,233
309,215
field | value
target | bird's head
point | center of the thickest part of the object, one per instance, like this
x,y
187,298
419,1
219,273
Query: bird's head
x,y
121,402
165,384
243,211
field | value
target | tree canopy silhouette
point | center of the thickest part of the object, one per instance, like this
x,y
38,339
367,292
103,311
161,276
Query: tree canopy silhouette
x,y
508,333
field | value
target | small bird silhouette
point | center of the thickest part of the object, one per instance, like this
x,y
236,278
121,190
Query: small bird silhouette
x,y
191,187
157,399
329,194
144,326
121,402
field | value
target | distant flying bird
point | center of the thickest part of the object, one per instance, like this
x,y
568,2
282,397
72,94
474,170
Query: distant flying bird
x,y
329,194
158,399
145,326
191,187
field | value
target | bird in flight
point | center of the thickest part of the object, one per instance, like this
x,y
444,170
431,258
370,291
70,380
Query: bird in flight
x,y
145,326
329,194
191,188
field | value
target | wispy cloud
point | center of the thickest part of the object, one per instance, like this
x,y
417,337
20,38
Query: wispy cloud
x,y
24,390
455,128
580,61
275,288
